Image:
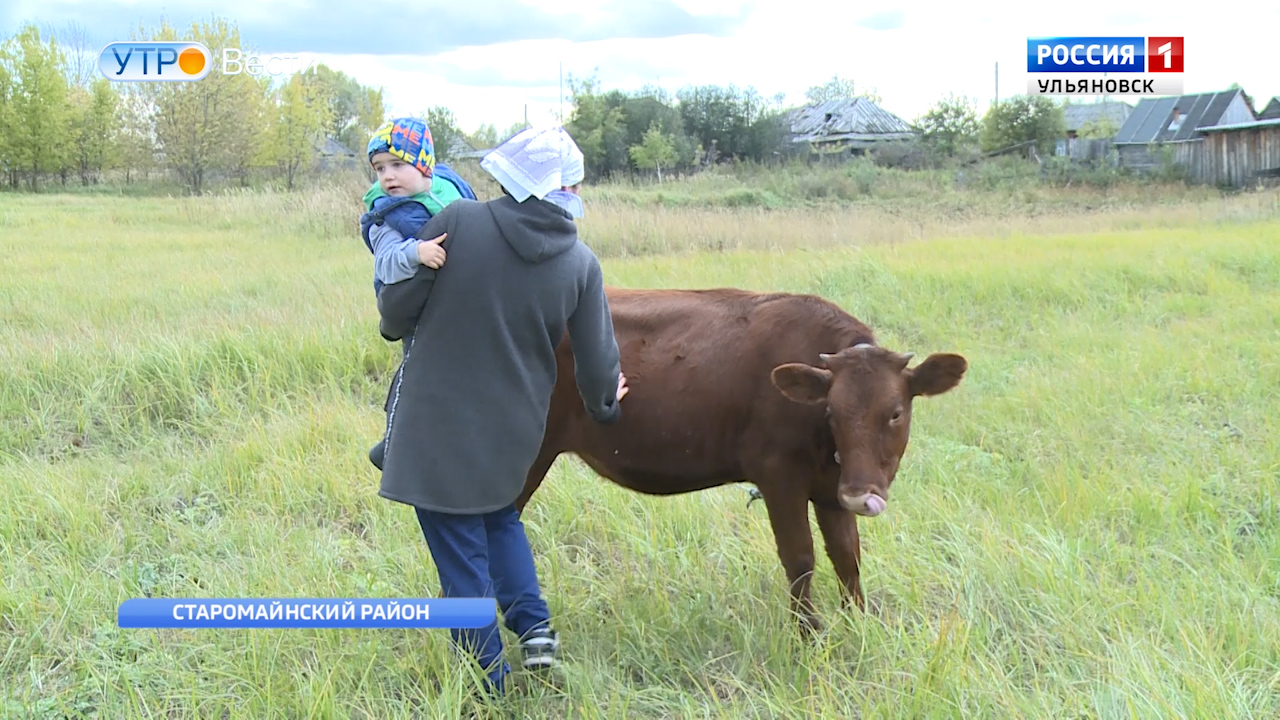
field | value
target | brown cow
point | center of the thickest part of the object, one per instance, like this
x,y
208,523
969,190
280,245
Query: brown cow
x,y
788,392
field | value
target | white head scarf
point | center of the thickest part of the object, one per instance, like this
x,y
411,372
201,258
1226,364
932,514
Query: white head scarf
x,y
536,162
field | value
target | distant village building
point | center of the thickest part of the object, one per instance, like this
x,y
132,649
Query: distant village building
x,y
1214,137
1079,115
460,149
1176,121
1085,116
1271,111
333,155
1240,154
845,127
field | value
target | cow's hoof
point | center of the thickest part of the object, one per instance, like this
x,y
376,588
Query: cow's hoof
x,y
810,626
853,602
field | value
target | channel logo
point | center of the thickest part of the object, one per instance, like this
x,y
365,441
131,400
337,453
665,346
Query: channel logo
x,y
1164,54
1132,66
155,61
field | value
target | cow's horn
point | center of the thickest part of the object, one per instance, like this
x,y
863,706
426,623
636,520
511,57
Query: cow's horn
x,y
825,357
908,356
859,346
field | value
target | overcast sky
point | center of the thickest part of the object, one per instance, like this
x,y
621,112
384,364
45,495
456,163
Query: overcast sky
x,y
487,59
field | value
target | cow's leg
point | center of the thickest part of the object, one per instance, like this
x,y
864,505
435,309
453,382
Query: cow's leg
x,y
840,534
789,516
537,473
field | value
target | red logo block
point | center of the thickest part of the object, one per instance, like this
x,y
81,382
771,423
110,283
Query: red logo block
x,y
1164,54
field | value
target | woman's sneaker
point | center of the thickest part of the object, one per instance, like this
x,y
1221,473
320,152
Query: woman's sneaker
x,y
539,649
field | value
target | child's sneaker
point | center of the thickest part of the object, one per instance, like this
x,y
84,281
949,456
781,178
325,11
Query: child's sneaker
x,y
539,649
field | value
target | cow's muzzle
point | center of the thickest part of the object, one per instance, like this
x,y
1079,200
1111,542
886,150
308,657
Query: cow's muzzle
x,y
868,504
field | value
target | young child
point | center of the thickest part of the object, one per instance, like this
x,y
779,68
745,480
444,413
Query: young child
x,y
411,188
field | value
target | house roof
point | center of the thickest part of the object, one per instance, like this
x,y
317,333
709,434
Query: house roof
x,y
1272,122
460,147
847,119
1272,110
1150,120
470,152
1077,114
332,147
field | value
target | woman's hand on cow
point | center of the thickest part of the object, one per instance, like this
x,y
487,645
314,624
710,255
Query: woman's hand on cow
x,y
622,386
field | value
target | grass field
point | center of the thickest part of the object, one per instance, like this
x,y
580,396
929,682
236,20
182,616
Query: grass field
x,y
1088,527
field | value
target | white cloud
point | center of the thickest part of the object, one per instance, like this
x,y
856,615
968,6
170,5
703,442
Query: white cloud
x,y
940,47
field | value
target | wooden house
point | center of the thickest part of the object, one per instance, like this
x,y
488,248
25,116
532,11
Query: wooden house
x,y
845,126
1174,122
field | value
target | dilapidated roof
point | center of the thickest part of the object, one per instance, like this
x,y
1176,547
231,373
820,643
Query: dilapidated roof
x,y
1077,114
460,148
330,147
847,119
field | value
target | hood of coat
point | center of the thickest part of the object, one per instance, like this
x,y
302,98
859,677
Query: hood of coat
x,y
536,229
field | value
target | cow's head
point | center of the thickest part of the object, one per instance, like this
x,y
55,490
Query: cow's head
x,y
867,392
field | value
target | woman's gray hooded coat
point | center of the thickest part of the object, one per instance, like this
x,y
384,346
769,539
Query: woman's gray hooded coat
x,y
468,408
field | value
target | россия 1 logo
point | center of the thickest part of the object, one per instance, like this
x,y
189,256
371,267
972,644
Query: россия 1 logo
x,y
1132,66
155,61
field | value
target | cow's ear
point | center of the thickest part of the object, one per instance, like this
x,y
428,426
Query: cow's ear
x,y
802,383
937,374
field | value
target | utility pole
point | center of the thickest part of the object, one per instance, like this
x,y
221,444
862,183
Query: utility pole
x,y
562,92
997,82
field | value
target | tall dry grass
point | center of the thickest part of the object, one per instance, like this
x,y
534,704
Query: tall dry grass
x,y
1086,527
759,208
